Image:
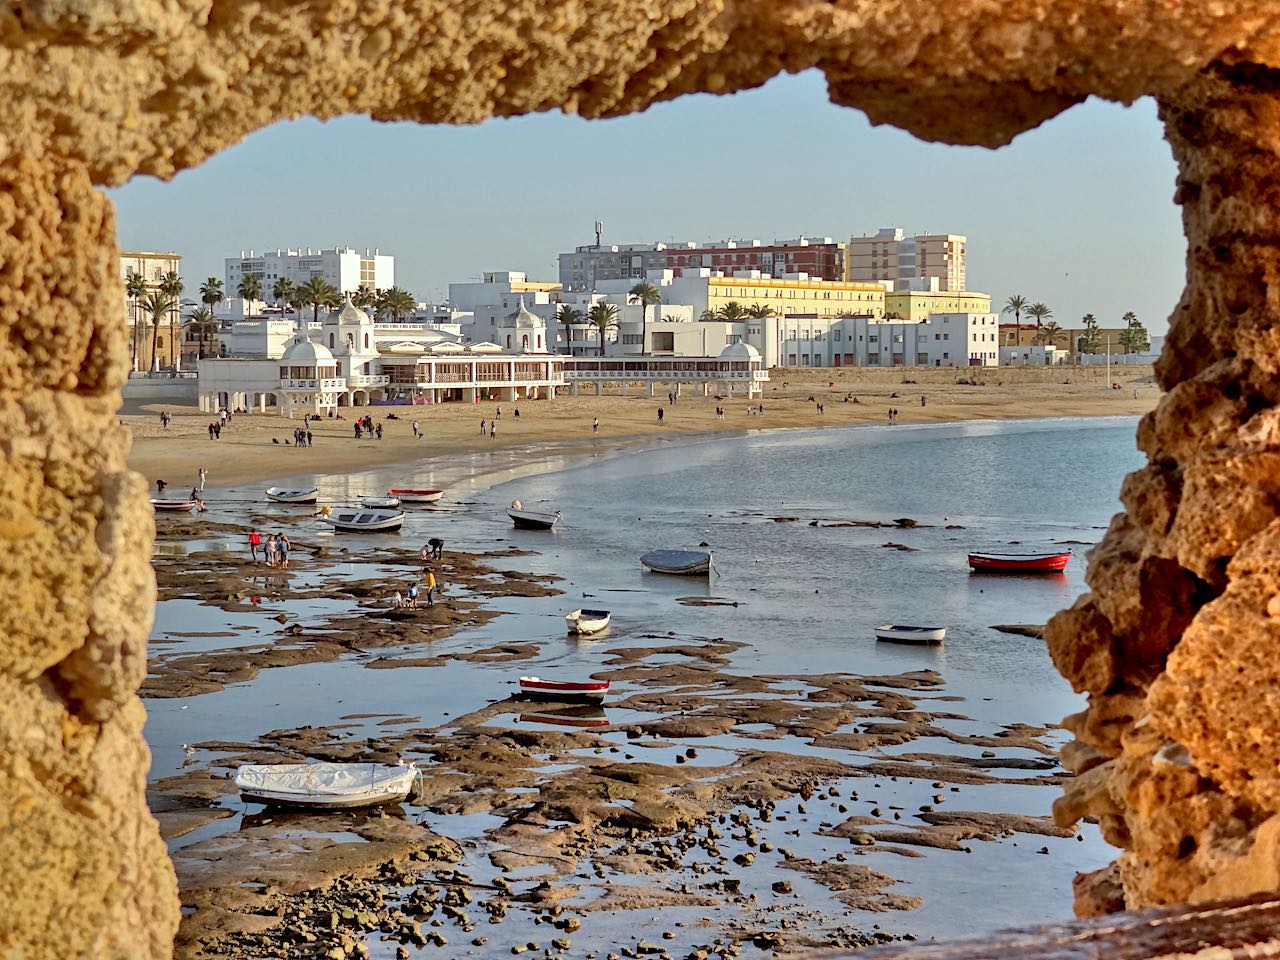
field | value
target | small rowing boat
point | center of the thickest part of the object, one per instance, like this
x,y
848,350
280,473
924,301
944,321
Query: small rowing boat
x,y
415,496
1013,562
285,495
324,786
532,519
593,690
161,503
587,621
922,636
361,519
686,563
380,503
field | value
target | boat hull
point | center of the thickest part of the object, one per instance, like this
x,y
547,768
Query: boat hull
x,y
276,495
679,563
416,496
530,520
590,691
173,506
1014,563
361,521
324,786
918,636
587,621
380,503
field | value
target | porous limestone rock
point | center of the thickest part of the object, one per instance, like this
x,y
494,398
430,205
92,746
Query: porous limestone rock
x,y
92,93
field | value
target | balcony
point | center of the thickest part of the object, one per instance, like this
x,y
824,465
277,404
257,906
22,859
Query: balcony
x,y
367,380
326,384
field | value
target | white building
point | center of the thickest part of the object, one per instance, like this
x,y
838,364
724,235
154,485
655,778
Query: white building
x,y
943,340
345,267
349,360
1032,356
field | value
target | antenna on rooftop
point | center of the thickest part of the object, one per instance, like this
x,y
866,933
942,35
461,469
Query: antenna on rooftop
x,y
599,231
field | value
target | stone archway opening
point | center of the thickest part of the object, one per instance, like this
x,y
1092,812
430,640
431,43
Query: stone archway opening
x,y
1172,644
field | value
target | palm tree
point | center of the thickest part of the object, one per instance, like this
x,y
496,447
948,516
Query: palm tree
x,y
397,303
759,311
211,293
318,292
365,297
136,287
732,311
283,291
1040,312
1134,337
172,284
157,304
1051,333
644,293
603,316
200,321
250,289
1015,305
1092,338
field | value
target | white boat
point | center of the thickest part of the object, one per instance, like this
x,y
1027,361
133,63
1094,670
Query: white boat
x,y
324,785
532,519
362,519
415,496
899,633
380,503
162,503
688,563
285,495
591,690
587,621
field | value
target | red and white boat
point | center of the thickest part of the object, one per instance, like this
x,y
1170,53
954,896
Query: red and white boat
x,y
407,495
1007,562
564,689
161,503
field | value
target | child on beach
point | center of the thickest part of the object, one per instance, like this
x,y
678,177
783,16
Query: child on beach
x,y
255,540
282,550
412,594
269,550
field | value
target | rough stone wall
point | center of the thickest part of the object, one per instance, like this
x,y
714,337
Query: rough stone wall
x,y
1177,749
1178,644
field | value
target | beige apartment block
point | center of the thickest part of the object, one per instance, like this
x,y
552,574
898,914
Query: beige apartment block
x,y
817,298
919,261
917,305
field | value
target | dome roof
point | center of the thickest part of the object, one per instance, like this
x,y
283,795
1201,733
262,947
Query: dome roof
x,y
307,353
740,351
350,313
524,317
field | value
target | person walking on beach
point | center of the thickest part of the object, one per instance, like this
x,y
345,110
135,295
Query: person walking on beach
x,y
269,550
493,429
431,587
412,594
595,425
255,540
417,432
282,548
517,413
202,476
484,426
924,401
660,415
217,430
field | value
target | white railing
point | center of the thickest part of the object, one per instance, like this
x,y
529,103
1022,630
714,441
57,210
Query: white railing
x,y
367,380
333,383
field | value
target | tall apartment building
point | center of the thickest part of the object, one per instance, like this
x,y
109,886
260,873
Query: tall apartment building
x,y
590,265
345,267
890,255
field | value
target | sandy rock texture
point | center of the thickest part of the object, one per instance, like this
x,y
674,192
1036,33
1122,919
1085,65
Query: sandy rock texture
x,y
92,93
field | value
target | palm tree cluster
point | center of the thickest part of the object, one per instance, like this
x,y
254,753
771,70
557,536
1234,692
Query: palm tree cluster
x,y
395,303
1134,336
602,316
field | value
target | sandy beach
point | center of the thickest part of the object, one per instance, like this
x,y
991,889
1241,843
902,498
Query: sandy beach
x,y
246,451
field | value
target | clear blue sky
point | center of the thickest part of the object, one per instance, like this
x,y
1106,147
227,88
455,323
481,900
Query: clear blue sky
x,y
1077,213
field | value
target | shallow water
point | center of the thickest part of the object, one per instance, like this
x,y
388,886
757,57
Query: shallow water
x,y
809,597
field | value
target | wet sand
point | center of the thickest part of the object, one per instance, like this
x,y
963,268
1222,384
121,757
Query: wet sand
x,y
563,427
704,812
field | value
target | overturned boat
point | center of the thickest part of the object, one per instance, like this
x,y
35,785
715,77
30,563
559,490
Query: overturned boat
x,y
687,563
380,503
408,495
324,786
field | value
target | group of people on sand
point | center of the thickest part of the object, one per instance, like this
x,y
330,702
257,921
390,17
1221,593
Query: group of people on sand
x,y
366,425
275,548
432,550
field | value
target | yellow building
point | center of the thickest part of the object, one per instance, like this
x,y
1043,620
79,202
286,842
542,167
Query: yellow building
x,y
819,298
917,305
152,267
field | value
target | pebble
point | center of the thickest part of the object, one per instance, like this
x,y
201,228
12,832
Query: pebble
x,y
782,886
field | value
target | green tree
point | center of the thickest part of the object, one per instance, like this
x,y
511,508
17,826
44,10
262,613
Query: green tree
x,y
603,316
567,313
1051,333
644,293
365,297
1015,305
283,290
172,285
157,305
396,303
1091,339
136,288
1134,336
249,290
732,311
1040,312
211,292
318,292
200,322
759,311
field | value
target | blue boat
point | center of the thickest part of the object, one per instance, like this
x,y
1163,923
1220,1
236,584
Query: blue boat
x,y
687,563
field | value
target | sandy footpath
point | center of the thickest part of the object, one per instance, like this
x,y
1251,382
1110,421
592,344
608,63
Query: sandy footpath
x,y
246,452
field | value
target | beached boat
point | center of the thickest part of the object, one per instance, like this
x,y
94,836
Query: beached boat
x,y
898,633
415,496
286,495
593,690
688,563
324,786
587,621
362,519
1012,562
161,503
532,519
380,503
